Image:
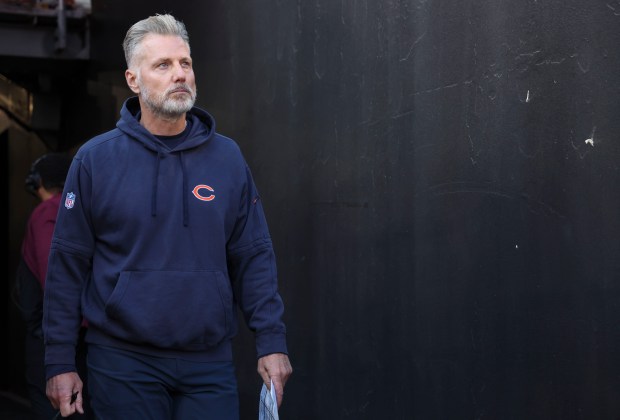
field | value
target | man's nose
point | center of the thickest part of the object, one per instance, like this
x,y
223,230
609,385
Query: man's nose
x,y
179,72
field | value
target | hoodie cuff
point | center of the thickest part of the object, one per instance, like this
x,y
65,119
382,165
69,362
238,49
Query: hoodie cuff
x,y
270,343
59,358
54,370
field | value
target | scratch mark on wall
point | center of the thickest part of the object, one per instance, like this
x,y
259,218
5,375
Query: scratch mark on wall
x,y
530,54
316,54
616,12
527,97
463,187
402,114
342,204
405,58
452,85
471,145
584,69
550,61
524,153
590,141
475,191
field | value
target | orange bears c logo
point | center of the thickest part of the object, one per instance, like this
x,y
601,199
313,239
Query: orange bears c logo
x,y
196,192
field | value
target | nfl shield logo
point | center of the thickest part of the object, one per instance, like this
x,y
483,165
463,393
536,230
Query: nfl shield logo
x,y
70,200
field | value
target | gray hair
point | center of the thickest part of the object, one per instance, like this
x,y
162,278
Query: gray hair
x,y
158,24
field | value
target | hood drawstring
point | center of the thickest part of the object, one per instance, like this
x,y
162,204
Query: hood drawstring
x,y
184,192
155,182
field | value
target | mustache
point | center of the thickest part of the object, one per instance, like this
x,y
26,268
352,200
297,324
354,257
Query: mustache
x,y
181,87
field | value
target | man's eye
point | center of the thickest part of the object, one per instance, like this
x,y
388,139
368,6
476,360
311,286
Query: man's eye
x,y
163,65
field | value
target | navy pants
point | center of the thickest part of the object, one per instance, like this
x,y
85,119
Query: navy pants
x,y
127,385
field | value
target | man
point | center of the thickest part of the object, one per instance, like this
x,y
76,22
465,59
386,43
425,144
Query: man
x,y
45,181
160,235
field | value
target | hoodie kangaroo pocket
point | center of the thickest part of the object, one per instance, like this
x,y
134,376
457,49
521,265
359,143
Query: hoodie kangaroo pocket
x,y
172,309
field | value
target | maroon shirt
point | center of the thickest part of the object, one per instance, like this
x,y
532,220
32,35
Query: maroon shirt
x,y
38,237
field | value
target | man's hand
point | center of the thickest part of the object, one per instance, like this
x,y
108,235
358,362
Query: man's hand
x,y
277,368
65,393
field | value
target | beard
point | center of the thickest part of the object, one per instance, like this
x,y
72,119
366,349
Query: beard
x,y
167,104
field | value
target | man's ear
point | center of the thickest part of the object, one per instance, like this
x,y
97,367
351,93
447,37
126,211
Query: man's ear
x,y
132,79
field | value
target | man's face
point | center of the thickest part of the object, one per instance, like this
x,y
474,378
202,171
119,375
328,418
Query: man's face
x,y
164,76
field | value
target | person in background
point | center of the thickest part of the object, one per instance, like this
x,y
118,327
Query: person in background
x,y
161,235
44,181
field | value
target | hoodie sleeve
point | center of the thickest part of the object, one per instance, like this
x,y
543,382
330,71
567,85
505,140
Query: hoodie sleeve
x,y
252,267
68,266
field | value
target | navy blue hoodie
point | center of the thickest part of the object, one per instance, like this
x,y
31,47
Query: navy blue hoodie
x,y
157,247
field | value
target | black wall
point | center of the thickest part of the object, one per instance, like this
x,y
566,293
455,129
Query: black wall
x,y
440,180
447,234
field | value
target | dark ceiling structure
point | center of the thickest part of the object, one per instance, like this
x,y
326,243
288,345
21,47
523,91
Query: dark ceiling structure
x,y
46,44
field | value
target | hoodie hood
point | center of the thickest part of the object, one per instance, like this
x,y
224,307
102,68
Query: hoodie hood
x,y
202,130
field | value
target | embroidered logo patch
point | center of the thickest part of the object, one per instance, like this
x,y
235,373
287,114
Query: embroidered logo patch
x,y
70,200
202,195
